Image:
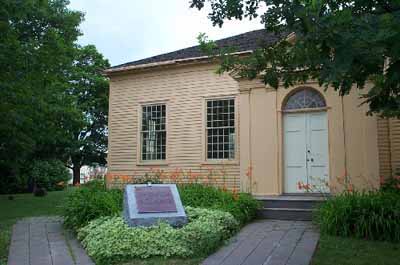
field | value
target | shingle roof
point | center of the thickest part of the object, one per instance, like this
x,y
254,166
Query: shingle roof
x,y
248,41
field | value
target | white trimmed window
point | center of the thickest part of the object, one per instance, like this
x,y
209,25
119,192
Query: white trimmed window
x,y
220,129
153,132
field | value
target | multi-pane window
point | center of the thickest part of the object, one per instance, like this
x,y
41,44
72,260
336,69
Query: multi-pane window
x,y
153,132
220,129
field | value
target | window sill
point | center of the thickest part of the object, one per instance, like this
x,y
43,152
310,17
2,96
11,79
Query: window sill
x,y
221,162
153,163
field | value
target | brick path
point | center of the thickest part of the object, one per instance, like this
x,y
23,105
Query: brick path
x,y
42,241
269,242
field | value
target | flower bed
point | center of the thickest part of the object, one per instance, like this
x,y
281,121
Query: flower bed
x,y
109,240
93,200
214,215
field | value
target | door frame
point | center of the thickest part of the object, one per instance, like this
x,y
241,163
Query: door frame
x,y
282,143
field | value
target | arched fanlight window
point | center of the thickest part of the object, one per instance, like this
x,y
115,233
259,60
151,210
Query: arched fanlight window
x,y
305,98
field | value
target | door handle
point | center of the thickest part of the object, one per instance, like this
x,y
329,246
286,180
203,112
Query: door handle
x,y
312,159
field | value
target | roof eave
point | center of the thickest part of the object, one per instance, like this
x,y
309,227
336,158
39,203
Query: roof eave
x,y
121,69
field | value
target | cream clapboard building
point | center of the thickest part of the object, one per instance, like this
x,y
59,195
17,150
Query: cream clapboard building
x,y
173,114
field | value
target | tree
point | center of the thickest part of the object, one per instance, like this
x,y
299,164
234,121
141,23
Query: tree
x,y
337,42
36,49
89,89
53,97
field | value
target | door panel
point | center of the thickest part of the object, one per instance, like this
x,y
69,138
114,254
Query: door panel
x,y
294,150
305,151
317,164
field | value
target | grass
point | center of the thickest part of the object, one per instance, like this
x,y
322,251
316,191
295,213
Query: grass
x,y
349,251
25,205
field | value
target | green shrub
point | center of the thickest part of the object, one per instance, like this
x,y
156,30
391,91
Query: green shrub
x,y
109,240
50,174
373,215
242,206
90,201
93,200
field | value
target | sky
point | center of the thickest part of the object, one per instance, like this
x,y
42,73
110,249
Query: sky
x,y
128,30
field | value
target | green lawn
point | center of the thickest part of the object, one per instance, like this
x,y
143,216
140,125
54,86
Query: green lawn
x,y
25,205
348,251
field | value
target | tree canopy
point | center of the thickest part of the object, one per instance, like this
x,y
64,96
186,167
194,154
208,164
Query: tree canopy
x,y
339,43
45,85
89,88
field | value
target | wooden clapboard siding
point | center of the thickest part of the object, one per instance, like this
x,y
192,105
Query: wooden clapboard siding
x,y
184,90
394,130
389,146
385,163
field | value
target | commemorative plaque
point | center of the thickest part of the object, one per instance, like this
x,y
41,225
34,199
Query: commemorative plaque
x,y
146,205
154,199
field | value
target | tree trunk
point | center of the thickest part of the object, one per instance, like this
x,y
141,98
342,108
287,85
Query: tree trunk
x,y
77,174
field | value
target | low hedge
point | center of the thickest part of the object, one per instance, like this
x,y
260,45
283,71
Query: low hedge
x,y
109,240
241,205
366,215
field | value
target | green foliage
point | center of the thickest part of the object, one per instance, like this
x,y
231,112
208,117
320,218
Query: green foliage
x,y
93,200
373,215
391,185
109,240
88,203
339,43
50,174
350,251
88,88
37,46
53,95
242,206
95,184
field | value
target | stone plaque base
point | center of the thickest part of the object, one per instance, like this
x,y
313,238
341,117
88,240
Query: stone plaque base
x,y
135,203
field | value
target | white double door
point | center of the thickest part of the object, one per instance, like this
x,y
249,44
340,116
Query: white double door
x,y
306,151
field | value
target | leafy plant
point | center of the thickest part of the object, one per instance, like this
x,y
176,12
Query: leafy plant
x,y
89,202
109,240
372,215
391,184
241,205
49,174
95,184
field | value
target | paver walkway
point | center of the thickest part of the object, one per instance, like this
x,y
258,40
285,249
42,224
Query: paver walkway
x,y
42,241
269,242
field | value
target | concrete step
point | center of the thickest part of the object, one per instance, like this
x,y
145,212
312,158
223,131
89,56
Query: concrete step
x,y
289,207
293,214
299,203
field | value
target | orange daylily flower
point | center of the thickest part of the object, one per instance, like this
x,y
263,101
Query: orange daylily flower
x,y
381,180
350,188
